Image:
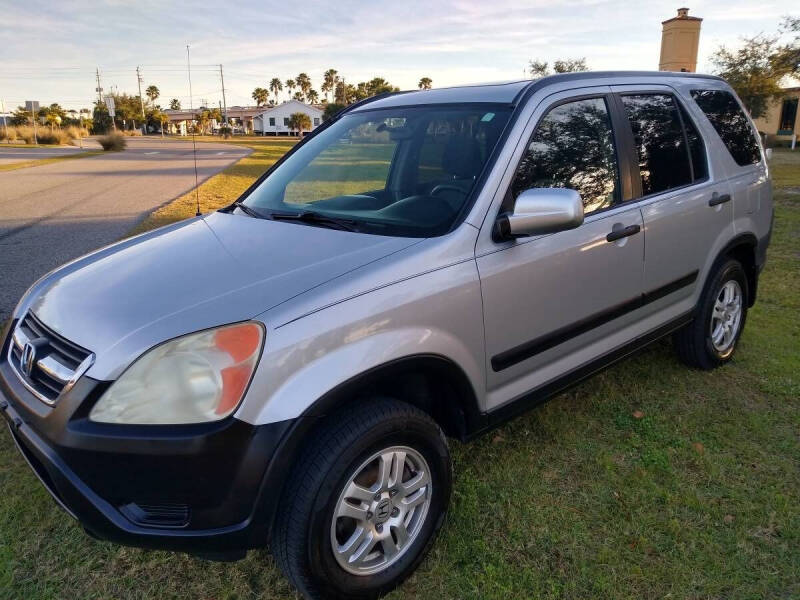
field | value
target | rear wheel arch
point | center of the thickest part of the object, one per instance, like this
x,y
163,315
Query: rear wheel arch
x,y
743,249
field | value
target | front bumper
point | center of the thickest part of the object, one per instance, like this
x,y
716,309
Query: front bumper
x,y
213,487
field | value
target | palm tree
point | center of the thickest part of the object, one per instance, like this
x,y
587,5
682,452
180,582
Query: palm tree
x,y
152,92
298,96
312,97
290,85
260,95
304,83
299,122
330,81
275,86
425,83
175,104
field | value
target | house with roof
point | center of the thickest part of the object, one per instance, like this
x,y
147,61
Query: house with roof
x,y
274,120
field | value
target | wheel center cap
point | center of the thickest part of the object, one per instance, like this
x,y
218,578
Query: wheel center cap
x,y
383,510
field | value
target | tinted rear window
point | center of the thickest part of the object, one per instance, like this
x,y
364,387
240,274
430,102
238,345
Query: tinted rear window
x,y
660,142
731,124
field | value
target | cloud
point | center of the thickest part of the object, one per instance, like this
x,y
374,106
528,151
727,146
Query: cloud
x,y
451,41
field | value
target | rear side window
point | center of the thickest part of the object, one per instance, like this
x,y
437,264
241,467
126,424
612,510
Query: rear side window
x,y
731,124
696,148
661,146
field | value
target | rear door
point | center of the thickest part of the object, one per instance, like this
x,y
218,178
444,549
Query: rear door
x,y
685,209
746,171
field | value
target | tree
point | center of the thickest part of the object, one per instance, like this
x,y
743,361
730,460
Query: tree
x,y
275,86
21,116
101,121
260,95
541,68
175,104
331,110
425,83
290,85
331,78
303,81
373,87
152,92
344,93
756,69
298,96
570,65
299,122
53,114
203,118
312,96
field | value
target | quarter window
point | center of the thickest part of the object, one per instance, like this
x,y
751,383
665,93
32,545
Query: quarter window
x,y
731,124
573,147
660,143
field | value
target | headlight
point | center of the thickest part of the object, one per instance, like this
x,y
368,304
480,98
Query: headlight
x,y
196,378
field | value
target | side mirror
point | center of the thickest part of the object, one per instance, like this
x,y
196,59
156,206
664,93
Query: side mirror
x,y
541,210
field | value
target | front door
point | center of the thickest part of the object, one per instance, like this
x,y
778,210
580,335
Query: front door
x,y
554,302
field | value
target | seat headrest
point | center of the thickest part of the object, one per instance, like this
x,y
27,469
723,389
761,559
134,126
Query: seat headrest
x,y
462,157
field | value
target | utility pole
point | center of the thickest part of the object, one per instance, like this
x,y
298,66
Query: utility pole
x,y
5,119
141,100
98,89
224,104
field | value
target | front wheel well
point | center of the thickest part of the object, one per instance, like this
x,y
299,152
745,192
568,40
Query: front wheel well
x,y
432,383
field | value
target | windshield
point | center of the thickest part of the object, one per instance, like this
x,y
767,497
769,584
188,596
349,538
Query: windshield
x,y
397,171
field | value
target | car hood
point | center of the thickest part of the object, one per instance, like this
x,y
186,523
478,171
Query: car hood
x,y
222,268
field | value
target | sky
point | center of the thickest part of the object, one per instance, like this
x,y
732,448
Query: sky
x,y
49,51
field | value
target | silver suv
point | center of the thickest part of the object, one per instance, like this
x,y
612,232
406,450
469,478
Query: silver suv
x,y
285,371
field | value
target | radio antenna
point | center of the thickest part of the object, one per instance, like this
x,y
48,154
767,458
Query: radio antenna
x,y
194,144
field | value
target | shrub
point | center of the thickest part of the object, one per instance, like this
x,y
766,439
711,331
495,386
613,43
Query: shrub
x,y
45,135
113,142
132,132
76,132
25,133
8,133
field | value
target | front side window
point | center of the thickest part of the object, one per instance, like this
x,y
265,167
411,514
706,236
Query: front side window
x,y
573,147
381,171
730,123
664,159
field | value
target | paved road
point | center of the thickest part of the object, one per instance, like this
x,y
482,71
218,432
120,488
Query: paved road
x,y
14,155
54,213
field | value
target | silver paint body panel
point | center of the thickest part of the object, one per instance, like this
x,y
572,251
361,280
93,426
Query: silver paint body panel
x,y
337,303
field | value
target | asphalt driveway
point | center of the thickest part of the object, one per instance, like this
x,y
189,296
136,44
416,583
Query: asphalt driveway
x,y
53,213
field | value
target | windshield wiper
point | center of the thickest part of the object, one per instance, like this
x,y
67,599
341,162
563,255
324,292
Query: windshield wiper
x,y
249,211
315,218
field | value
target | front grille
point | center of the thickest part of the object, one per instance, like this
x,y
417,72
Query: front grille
x,y
47,363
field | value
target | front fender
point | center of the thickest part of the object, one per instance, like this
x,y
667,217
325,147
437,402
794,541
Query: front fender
x,y
437,313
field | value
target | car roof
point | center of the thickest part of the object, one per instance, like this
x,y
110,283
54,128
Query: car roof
x,y
510,92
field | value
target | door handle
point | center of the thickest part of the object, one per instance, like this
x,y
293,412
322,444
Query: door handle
x,y
618,234
719,199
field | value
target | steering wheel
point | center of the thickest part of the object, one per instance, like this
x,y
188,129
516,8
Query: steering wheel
x,y
447,186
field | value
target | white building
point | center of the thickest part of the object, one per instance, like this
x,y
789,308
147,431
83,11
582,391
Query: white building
x,y
275,120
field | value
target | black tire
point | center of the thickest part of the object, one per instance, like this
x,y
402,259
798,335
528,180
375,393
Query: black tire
x,y
301,540
693,342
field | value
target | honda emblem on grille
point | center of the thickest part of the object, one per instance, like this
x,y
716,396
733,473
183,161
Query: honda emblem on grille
x,y
28,358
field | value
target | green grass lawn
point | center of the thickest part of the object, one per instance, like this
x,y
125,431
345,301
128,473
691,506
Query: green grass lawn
x,y
648,481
